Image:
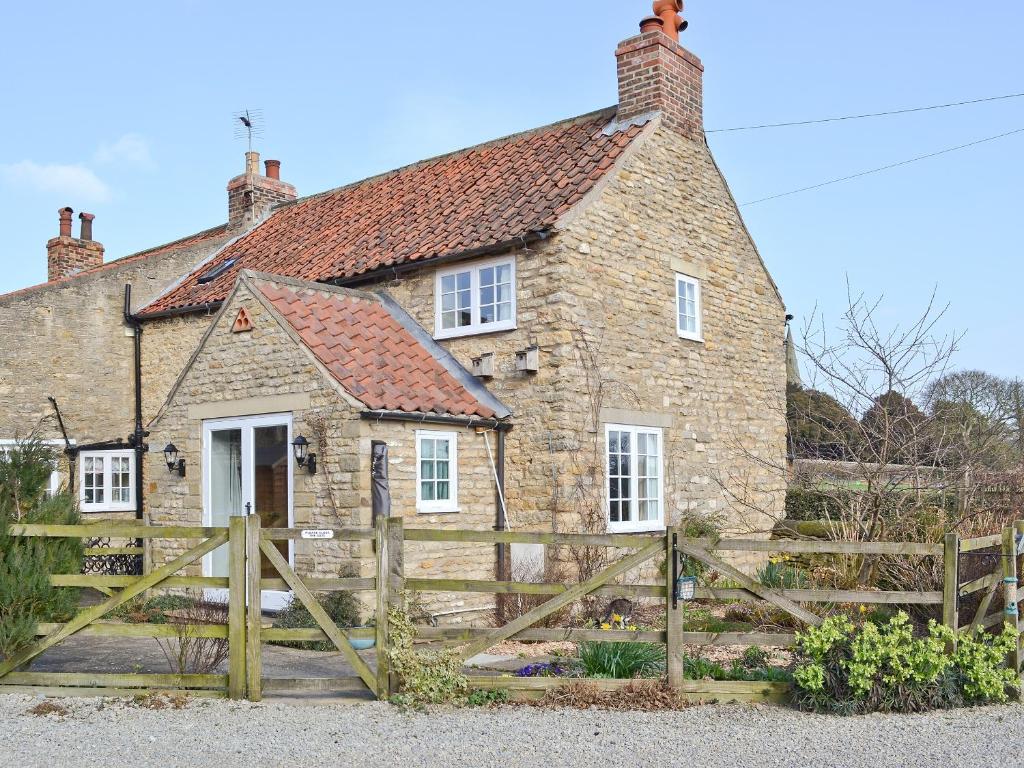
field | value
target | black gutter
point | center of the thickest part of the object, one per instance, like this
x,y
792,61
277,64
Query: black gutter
x,y
437,418
138,437
494,249
67,443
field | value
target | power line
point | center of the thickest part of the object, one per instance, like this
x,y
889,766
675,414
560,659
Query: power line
x,y
884,168
866,115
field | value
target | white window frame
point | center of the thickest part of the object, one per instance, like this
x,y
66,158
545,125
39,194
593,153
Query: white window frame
x,y
635,525
430,507
475,327
698,333
55,478
107,505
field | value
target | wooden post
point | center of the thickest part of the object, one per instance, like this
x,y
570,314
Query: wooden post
x,y
254,614
951,583
383,552
1019,531
396,559
1009,559
673,613
236,608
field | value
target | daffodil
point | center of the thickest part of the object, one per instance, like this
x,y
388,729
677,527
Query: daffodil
x,y
863,609
606,625
616,618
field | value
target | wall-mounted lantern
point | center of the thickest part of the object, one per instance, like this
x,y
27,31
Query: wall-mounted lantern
x,y
174,464
303,457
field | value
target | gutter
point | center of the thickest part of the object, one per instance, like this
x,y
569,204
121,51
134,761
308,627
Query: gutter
x,y
500,425
138,438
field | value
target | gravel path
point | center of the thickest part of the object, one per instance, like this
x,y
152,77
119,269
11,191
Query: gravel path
x,y
219,733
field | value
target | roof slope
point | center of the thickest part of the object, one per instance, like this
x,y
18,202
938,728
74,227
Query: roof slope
x,y
478,197
367,348
214,233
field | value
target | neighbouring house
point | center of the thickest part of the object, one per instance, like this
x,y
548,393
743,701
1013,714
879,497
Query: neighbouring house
x,y
564,329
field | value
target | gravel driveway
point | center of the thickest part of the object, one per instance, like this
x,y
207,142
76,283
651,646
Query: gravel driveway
x,y
219,733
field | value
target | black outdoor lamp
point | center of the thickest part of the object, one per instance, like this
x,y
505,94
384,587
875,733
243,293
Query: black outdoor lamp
x,y
303,457
174,464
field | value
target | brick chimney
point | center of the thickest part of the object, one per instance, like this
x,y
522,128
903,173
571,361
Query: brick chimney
x,y
252,195
67,255
656,74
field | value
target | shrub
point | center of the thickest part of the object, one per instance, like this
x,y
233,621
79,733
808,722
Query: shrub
x,y
188,652
491,698
753,666
778,574
26,595
883,667
342,607
154,610
621,660
425,677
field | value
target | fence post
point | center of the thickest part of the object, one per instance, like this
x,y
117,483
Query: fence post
x,y
1009,561
236,608
254,614
383,595
951,583
673,615
1019,531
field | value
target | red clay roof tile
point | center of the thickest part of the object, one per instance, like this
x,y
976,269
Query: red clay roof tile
x,y
482,196
369,352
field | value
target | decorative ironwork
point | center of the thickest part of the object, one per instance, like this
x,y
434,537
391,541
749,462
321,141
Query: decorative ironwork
x,y
116,564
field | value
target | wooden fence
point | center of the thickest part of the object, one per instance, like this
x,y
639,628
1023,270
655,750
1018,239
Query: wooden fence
x,y
245,632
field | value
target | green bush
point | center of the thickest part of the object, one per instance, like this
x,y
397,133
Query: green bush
x,y
621,660
753,666
26,596
154,610
342,607
777,574
425,677
883,668
488,698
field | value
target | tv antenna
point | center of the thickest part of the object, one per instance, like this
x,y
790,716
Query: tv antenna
x,y
248,124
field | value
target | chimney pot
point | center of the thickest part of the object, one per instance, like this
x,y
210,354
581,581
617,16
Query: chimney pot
x,y
252,163
65,221
651,24
669,11
273,169
87,219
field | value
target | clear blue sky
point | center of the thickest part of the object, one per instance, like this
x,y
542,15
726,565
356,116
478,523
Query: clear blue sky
x,y
124,109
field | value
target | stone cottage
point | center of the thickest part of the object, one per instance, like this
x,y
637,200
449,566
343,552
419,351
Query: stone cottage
x,y
568,328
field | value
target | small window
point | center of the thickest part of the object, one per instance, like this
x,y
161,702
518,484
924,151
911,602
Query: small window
x,y
107,483
216,272
635,489
56,481
688,310
436,472
475,299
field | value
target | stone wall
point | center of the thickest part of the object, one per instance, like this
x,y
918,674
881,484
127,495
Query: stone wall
x,y
599,301
267,363
68,340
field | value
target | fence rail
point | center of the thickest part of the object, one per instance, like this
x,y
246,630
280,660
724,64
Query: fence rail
x,y
249,544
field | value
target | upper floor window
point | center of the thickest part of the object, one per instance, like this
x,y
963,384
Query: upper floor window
x,y
635,488
475,299
437,472
688,308
107,481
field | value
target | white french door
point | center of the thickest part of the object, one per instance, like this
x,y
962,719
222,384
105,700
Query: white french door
x,y
247,469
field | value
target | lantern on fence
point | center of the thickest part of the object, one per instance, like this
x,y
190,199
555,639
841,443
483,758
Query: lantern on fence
x,y
686,587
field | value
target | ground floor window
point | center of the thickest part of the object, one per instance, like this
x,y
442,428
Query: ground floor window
x,y
54,486
635,483
107,483
436,472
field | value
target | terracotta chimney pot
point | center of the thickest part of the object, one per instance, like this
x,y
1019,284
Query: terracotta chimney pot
x,y
65,221
87,219
273,169
651,24
669,11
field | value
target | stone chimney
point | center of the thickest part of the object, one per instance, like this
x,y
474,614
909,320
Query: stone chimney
x,y
252,195
656,74
67,255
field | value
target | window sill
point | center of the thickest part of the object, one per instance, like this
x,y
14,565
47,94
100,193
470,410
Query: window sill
x,y
457,333
690,337
445,511
101,510
651,528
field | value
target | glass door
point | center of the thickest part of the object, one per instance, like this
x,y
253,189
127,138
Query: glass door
x,y
247,470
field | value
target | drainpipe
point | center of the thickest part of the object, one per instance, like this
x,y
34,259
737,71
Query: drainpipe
x,y
499,503
138,438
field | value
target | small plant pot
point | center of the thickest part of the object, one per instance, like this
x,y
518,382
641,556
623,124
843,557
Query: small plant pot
x,y
362,643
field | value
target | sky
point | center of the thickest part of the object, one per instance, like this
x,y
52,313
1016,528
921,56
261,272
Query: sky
x,y
125,110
